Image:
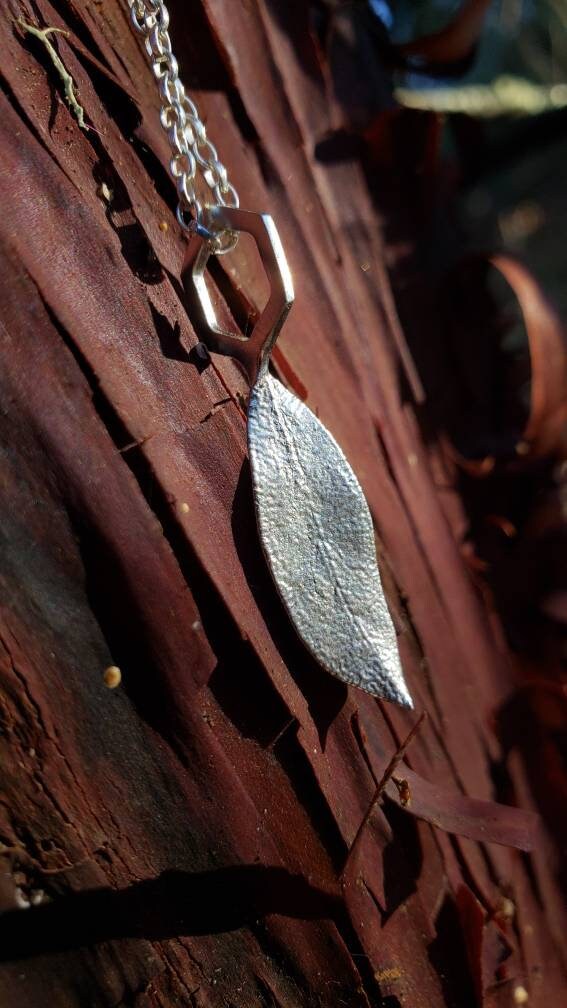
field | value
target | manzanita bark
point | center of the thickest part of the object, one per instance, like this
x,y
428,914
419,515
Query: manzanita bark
x,y
183,838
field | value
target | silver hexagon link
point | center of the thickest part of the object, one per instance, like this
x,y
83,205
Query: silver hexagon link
x,y
251,351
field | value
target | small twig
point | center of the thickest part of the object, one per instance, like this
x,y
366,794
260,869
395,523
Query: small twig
x,y
396,758
67,80
271,745
135,444
216,406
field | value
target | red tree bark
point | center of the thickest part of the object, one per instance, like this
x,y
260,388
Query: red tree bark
x,y
182,838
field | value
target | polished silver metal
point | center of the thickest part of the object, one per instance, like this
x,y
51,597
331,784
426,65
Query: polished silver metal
x,y
314,523
318,538
252,351
179,116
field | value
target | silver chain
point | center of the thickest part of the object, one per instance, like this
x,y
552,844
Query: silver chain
x,y
179,116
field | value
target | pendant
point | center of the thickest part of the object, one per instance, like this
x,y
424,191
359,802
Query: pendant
x,y
314,523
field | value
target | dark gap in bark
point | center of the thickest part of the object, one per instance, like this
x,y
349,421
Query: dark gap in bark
x,y
246,695
402,858
468,876
357,731
266,166
240,308
242,119
169,336
135,246
299,772
266,994
448,956
529,869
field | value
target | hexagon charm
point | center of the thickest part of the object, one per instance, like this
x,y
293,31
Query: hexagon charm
x,y
252,351
315,526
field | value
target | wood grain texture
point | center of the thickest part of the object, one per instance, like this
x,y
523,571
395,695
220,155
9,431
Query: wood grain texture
x,y
180,840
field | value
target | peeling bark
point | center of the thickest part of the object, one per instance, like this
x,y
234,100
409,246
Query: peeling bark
x,y
180,839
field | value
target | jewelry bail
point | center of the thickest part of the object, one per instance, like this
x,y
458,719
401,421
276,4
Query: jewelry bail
x,y
251,351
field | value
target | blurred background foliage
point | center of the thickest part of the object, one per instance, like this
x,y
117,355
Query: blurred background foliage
x,y
524,38
515,86
490,79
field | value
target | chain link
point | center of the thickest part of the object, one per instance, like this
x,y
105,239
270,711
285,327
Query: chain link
x,y
192,151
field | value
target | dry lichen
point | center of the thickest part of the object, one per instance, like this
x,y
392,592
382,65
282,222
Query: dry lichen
x,y
67,81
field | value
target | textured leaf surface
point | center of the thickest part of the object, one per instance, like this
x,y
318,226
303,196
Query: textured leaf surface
x,y
169,806
317,533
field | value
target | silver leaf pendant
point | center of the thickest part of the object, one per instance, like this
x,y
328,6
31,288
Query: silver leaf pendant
x,y
314,523
318,538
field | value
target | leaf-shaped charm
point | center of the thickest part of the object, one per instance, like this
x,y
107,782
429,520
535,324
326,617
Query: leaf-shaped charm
x,y
318,538
314,522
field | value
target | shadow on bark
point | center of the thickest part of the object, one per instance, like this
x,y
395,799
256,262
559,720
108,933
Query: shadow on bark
x,y
173,904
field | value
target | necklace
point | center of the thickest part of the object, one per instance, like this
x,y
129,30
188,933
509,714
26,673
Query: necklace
x,y
314,523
